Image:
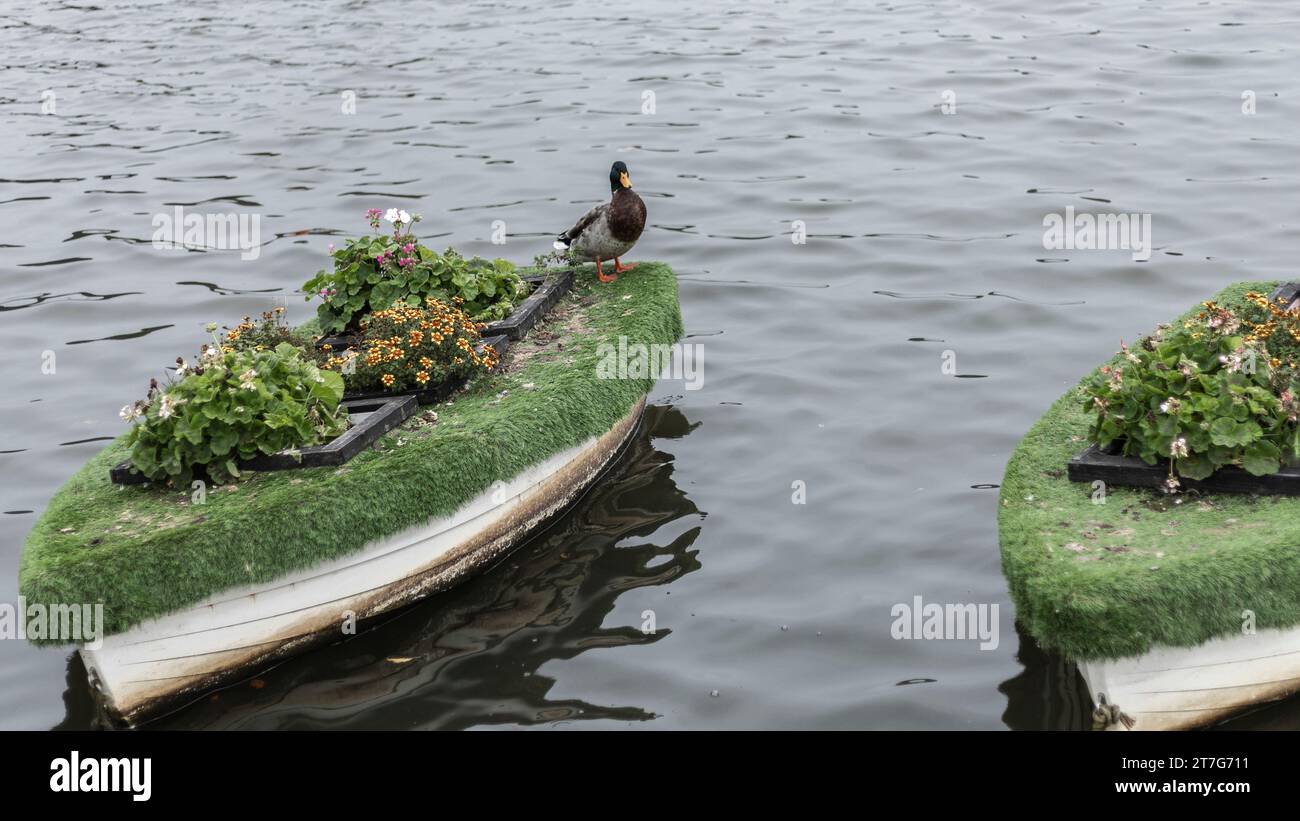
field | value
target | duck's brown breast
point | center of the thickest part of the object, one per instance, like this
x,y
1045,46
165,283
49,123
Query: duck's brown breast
x,y
626,215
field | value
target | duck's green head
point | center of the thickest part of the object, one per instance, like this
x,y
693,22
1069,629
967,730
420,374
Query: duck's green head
x,y
618,177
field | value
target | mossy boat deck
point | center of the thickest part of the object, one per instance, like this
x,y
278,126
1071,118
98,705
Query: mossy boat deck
x,y
1179,610
199,595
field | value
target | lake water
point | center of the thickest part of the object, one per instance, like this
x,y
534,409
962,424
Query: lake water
x,y
919,145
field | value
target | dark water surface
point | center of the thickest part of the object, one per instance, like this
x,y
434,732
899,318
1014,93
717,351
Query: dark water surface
x,y
822,360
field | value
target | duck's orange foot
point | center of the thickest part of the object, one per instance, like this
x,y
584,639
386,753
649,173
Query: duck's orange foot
x,y
602,276
620,267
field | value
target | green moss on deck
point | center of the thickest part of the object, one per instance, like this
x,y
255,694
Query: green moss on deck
x,y
1105,581
146,551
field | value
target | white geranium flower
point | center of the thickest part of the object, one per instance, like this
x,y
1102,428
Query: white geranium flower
x,y
130,413
168,406
403,217
246,379
391,215
1232,362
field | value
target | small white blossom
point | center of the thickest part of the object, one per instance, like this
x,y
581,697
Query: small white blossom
x,y
391,215
168,406
1178,448
403,217
1232,362
1170,405
246,379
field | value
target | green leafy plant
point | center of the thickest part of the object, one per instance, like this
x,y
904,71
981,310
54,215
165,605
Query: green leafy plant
x,y
406,347
232,405
376,272
1200,396
265,334
555,259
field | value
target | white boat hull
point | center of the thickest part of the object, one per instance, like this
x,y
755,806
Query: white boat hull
x,y
1180,688
163,663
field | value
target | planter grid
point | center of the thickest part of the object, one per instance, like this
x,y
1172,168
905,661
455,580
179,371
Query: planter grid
x,y
371,418
1095,464
534,307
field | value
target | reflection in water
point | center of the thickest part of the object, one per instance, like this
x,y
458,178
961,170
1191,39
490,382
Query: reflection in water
x,y
472,656
1049,694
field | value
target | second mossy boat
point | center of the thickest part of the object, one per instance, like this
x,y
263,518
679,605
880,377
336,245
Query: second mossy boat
x,y
198,595
1178,610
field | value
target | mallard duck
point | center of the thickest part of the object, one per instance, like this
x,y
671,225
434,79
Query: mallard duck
x,y
609,230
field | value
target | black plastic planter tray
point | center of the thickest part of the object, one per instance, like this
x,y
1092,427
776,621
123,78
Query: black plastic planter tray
x,y
534,307
1288,291
423,396
337,343
440,391
371,419
1116,469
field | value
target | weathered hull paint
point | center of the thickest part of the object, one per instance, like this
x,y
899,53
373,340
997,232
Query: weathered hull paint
x,y
1182,688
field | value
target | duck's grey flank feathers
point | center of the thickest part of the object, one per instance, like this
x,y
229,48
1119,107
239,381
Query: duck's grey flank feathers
x,y
565,241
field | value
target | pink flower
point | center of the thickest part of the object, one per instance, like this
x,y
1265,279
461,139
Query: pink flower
x,y
409,247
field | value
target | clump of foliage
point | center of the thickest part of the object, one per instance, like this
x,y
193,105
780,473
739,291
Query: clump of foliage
x,y
232,405
1202,396
264,334
406,347
376,272
1276,325
555,259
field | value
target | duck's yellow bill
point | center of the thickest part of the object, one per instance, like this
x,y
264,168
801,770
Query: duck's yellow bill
x,y
624,180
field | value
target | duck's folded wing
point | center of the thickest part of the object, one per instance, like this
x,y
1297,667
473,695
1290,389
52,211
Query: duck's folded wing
x,y
581,225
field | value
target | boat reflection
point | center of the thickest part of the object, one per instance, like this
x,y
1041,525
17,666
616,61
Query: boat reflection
x,y
1049,694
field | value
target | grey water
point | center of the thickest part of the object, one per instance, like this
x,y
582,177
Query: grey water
x,y
914,147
